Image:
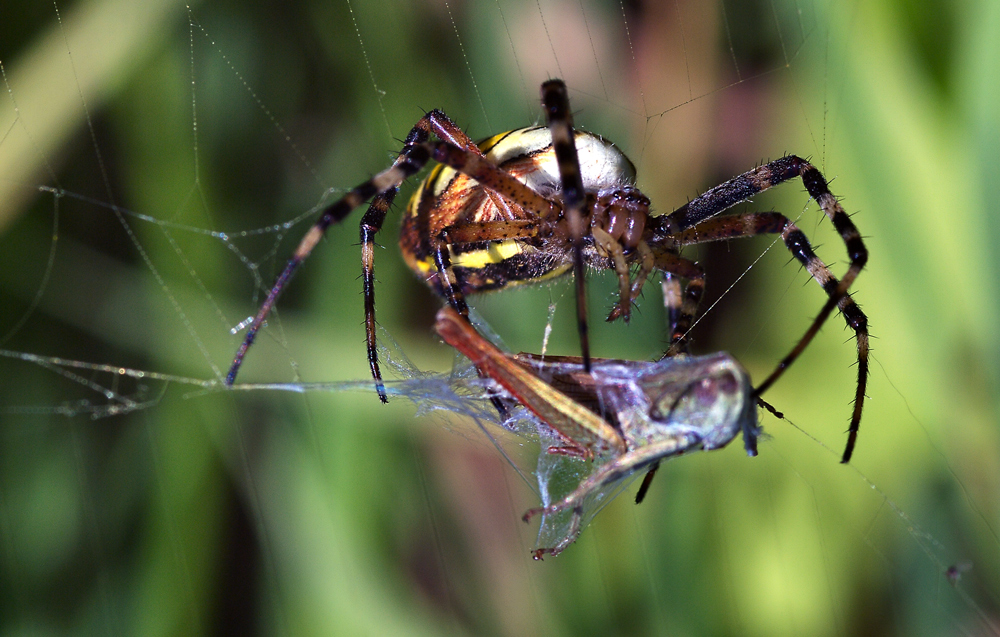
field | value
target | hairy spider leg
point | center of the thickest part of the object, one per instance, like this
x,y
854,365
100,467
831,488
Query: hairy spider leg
x,y
671,290
682,307
555,100
756,223
434,122
693,216
413,157
751,224
410,162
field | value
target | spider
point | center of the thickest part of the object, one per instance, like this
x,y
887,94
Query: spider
x,y
531,204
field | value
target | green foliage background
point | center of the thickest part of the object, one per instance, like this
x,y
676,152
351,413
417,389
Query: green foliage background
x,y
327,513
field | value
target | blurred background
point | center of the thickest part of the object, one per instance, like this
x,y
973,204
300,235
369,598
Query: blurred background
x,y
159,163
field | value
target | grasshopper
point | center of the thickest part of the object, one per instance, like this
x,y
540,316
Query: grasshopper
x,y
625,416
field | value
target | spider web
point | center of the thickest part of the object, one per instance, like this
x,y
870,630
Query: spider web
x,y
158,166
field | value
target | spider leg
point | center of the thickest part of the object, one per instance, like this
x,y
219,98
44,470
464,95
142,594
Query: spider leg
x,y
689,298
741,188
493,177
681,309
434,122
411,161
479,231
681,303
751,224
555,100
745,186
382,189
671,289
857,321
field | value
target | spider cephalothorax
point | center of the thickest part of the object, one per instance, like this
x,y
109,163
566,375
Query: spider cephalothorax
x,y
534,203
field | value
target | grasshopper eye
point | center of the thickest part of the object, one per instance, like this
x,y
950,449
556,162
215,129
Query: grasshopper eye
x,y
708,390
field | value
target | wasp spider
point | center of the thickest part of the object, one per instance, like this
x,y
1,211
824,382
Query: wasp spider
x,y
537,202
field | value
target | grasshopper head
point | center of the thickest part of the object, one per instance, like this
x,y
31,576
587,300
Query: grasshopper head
x,y
709,397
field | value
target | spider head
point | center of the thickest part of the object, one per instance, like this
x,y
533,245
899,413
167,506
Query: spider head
x,y
622,213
